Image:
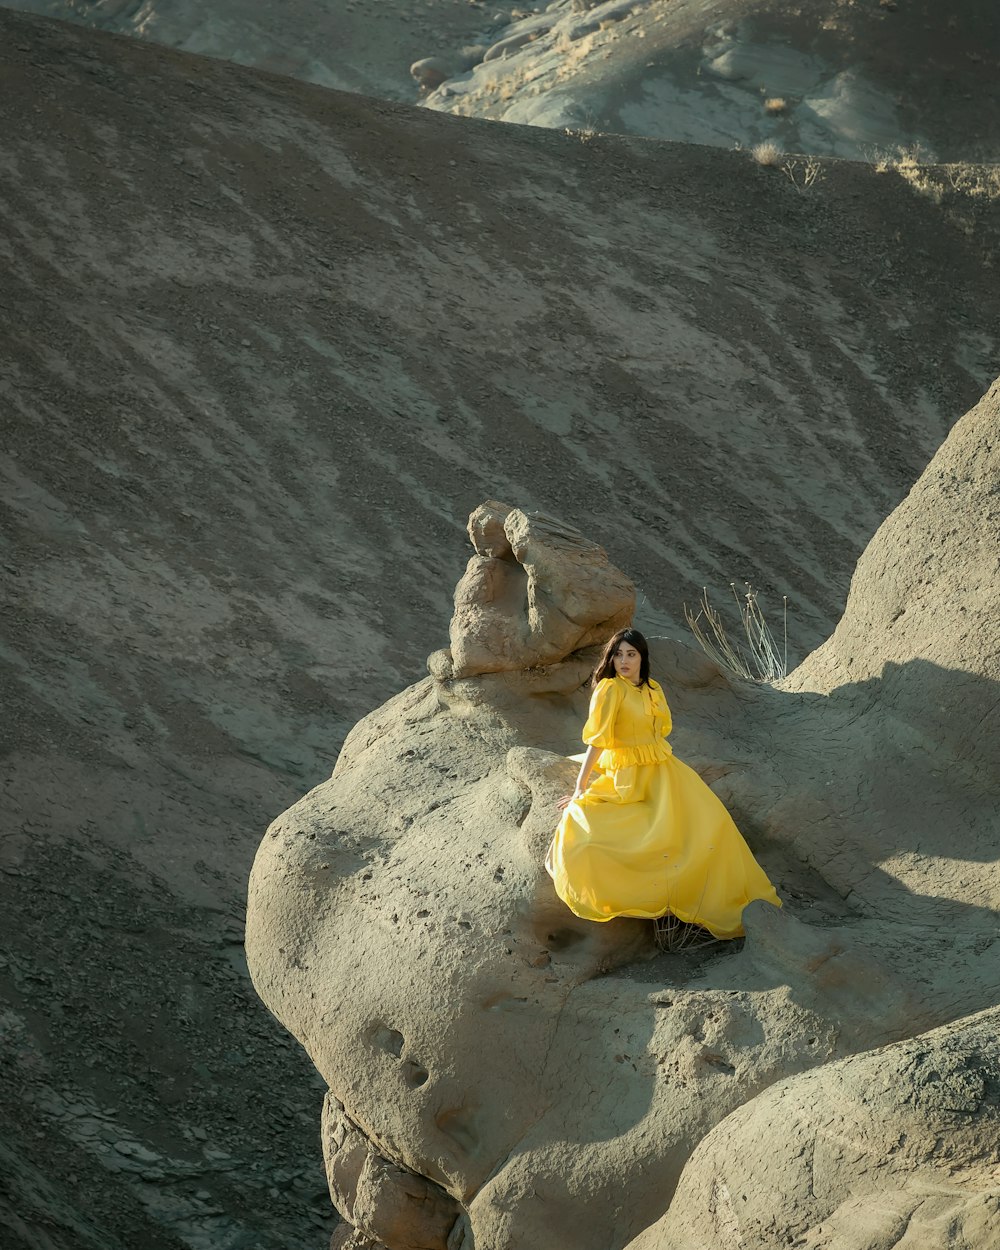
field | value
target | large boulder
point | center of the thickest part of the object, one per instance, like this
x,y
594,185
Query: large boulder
x,y
892,1149
511,1076
920,625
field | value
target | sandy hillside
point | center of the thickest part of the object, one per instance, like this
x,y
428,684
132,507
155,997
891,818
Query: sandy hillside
x,y
263,347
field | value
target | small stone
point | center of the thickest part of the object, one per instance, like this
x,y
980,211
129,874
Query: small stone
x,y
430,72
134,1150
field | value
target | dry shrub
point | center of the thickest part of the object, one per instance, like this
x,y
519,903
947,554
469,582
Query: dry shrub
x,y
767,154
803,171
761,657
938,182
775,104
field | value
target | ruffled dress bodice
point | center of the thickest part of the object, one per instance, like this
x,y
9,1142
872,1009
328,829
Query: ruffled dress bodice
x,y
629,724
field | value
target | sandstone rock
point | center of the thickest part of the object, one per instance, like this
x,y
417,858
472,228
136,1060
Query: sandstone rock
x,y
554,1077
347,1238
505,47
535,591
431,71
486,530
896,1148
921,618
383,1202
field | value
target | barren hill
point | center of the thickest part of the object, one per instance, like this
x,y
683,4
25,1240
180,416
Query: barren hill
x,y
263,346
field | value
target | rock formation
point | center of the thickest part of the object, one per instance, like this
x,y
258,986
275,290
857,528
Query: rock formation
x,y
730,72
506,1076
859,82
351,47
893,1148
534,592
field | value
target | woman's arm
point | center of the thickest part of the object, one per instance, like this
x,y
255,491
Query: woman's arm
x,y
586,768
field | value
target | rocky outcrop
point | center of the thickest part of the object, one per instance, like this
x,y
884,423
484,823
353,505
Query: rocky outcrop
x,y
720,72
739,72
921,618
535,591
551,1078
892,1148
393,1204
345,46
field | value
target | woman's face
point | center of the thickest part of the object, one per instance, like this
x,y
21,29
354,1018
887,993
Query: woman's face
x,y
628,662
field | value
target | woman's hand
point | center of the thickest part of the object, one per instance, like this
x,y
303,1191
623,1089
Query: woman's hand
x,y
583,777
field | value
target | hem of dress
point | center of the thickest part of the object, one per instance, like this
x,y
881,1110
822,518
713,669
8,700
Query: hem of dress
x,y
722,935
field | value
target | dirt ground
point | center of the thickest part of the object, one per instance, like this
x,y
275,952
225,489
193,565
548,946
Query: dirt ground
x,y
262,349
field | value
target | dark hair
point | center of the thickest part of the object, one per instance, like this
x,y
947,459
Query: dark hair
x,y
605,666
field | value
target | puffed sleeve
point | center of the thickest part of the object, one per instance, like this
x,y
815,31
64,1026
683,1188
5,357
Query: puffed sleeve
x,y
604,705
662,720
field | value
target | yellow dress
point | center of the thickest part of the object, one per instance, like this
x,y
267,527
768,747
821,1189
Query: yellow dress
x,y
648,836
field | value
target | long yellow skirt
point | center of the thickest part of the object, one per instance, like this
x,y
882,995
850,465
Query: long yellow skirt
x,y
652,839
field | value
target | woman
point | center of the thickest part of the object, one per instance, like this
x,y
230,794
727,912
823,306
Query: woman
x,y
647,837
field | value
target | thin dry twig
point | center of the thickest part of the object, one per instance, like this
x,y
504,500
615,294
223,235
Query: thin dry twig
x,y
677,935
803,171
761,658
